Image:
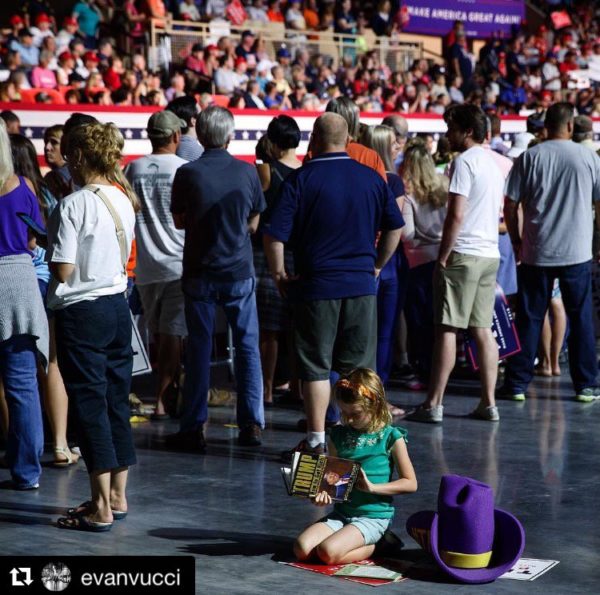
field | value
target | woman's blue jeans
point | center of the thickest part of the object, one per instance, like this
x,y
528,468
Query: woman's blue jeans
x,y
25,440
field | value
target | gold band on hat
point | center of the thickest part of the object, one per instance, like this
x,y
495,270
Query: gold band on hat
x,y
459,560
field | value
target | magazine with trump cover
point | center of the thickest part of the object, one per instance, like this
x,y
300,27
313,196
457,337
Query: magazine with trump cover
x,y
311,474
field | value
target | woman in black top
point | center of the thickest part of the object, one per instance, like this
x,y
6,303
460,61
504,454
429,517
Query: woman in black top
x,y
283,136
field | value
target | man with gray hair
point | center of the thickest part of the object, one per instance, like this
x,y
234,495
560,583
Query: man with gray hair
x,y
218,199
399,126
330,212
583,132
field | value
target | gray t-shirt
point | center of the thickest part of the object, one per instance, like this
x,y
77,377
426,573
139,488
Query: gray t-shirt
x,y
159,245
556,182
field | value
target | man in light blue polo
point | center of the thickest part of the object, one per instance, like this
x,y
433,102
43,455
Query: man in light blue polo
x,y
30,55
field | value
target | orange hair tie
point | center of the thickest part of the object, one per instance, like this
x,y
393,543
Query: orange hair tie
x,y
362,390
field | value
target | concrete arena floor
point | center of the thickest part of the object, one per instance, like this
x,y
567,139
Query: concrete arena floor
x,y
229,510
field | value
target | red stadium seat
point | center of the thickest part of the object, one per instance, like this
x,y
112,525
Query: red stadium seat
x,y
28,95
221,100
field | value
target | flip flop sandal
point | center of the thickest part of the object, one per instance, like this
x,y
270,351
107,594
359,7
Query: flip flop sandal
x,y
81,523
72,512
118,515
65,452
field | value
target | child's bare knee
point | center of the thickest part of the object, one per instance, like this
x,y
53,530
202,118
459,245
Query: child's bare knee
x,y
301,549
327,554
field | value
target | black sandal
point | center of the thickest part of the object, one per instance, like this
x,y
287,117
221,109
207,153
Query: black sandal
x,y
82,523
118,515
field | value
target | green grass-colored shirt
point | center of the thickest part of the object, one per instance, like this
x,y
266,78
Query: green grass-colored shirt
x,y
374,453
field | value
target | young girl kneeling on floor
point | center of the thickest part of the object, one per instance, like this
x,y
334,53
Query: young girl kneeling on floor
x,y
351,531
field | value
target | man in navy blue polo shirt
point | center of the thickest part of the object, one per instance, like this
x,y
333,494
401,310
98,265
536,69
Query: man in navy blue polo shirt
x,y
217,199
329,213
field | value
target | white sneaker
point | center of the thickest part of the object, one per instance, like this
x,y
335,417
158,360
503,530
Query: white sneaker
x,y
485,413
435,415
588,395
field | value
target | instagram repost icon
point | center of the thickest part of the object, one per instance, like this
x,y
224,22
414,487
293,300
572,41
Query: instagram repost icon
x,y
56,576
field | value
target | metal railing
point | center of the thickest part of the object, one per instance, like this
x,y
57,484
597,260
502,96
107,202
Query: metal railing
x,y
171,42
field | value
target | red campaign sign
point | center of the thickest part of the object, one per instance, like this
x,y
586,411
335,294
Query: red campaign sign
x,y
236,13
561,19
332,569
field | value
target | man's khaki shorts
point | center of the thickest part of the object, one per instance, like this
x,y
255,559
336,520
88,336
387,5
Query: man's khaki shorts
x,y
163,305
464,291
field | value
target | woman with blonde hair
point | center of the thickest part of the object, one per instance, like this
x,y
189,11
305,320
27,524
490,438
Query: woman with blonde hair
x,y
391,290
424,211
90,235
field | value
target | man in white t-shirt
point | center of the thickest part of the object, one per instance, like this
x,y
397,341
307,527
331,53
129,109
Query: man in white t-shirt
x,y
551,73
160,248
465,276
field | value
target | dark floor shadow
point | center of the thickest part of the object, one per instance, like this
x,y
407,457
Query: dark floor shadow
x,y
459,415
226,543
217,447
50,465
455,392
25,520
286,406
39,508
283,427
417,565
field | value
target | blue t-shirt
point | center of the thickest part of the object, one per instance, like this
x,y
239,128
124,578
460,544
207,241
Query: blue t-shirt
x,y
87,18
329,213
42,270
514,95
30,56
14,237
464,61
395,183
218,194
390,270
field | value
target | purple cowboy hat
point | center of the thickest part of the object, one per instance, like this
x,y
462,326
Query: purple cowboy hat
x,y
470,540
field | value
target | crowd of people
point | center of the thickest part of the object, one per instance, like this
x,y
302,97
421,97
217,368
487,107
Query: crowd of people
x,y
360,265
369,253
97,54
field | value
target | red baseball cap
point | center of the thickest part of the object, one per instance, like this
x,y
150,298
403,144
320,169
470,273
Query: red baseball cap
x,y
66,56
16,20
69,21
42,18
90,56
212,48
240,60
